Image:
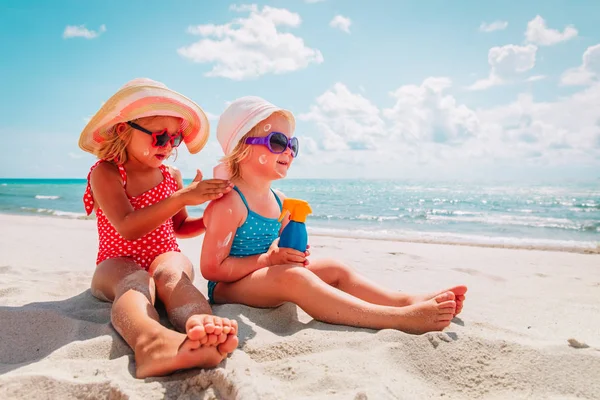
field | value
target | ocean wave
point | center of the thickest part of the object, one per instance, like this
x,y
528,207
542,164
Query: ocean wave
x,y
528,221
378,217
588,205
44,197
583,210
56,213
455,238
453,212
441,216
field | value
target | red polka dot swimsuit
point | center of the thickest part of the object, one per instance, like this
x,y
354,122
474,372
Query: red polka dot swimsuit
x,y
145,249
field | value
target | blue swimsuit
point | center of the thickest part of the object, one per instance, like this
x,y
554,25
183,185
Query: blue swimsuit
x,y
255,236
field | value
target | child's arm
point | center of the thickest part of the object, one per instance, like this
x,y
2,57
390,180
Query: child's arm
x,y
109,194
222,219
184,225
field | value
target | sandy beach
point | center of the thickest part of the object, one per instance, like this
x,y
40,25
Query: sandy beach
x,y
530,327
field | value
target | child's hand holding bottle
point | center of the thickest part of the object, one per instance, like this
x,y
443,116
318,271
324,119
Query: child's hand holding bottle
x,y
286,256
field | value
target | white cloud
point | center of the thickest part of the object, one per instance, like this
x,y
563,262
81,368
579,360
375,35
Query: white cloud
x,y
537,32
536,78
357,136
493,26
576,77
486,83
428,129
426,114
587,72
560,131
250,47
346,120
72,31
506,63
342,23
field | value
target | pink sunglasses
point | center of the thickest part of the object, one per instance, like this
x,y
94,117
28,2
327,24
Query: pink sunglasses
x,y
161,138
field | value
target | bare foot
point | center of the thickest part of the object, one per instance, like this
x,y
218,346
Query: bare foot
x,y
430,315
210,330
459,297
229,345
166,351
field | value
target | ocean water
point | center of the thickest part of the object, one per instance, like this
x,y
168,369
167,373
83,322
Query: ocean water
x,y
543,215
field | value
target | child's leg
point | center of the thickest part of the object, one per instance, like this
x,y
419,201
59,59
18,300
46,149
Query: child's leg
x,y
186,307
269,287
348,280
158,350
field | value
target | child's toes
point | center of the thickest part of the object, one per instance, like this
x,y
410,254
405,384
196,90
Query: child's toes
x,y
218,323
197,333
209,324
194,327
212,340
228,346
226,326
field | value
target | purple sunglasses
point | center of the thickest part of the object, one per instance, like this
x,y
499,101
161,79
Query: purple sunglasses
x,y
277,142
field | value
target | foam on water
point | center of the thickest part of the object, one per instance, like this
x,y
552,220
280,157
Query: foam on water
x,y
450,238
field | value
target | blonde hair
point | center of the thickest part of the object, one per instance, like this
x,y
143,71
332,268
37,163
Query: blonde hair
x,y
242,150
114,148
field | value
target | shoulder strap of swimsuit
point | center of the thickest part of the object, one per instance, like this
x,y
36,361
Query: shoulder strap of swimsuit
x,y
168,177
123,174
278,200
165,171
242,197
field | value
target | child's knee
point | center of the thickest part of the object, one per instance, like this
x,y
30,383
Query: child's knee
x,y
293,277
139,281
342,272
167,276
171,264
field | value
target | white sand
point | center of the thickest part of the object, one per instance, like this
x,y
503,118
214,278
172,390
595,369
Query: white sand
x,y
530,328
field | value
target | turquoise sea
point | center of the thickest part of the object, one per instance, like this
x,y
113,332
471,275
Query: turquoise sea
x,y
561,215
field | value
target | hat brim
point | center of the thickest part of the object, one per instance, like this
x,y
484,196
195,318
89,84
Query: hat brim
x,y
146,100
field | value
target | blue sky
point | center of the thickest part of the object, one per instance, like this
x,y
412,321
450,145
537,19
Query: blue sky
x,y
405,89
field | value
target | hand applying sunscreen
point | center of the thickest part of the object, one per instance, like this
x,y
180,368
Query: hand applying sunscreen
x,y
294,235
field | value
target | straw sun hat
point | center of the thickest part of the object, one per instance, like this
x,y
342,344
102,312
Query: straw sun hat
x,y
141,98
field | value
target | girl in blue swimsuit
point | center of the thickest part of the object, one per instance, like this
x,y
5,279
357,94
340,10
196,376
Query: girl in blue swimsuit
x,y
240,255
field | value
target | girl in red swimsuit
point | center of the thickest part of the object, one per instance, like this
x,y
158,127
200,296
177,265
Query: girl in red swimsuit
x,y
140,206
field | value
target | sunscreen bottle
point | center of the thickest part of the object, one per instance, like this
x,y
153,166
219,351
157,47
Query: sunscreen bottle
x,y
294,235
